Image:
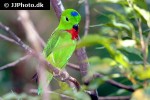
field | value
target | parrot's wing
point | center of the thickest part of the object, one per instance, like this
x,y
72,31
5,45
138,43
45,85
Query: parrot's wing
x,y
52,42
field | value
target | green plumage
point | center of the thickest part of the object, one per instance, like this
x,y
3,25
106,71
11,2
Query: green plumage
x,y
61,46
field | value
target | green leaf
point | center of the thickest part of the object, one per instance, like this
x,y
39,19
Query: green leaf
x,y
141,72
63,86
104,65
124,24
82,96
95,83
144,13
140,3
106,42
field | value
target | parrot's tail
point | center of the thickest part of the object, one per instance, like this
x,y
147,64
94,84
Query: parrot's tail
x,y
49,77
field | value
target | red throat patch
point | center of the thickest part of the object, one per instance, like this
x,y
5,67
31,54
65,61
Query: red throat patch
x,y
73,33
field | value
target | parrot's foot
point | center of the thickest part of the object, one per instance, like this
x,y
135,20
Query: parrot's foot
x,y
63,76
56,75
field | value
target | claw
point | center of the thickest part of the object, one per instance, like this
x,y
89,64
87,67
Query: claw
x,y
56,75
64,78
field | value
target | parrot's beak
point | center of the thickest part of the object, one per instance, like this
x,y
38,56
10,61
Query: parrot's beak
x,y
76,27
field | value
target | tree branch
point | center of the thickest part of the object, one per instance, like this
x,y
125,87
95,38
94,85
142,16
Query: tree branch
x,y
58,7
7,39
115,98
87,19
73,66
114,83
14,63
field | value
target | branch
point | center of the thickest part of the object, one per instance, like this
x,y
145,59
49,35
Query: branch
x,y
14,63
58,7
87,19
116,84
39,57
115,98
143,44
7,39
73,66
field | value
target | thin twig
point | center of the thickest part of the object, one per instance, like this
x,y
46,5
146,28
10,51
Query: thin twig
x,y
16,38
87,19
143,44
147,40
115,98
7,39
114,83
74,66
12,64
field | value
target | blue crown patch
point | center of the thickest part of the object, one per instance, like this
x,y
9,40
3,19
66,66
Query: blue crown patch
x,y
74,13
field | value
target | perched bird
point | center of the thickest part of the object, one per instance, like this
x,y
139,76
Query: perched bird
x,y
62,42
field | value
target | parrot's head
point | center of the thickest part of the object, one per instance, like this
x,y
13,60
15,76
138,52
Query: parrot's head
x,y
69,21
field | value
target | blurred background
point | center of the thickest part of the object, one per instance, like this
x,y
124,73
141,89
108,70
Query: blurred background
x,y
19,78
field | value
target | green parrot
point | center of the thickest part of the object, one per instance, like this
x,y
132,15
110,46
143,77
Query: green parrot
x,y
62,42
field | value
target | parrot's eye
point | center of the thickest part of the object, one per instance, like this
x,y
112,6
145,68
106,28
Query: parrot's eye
x,y
67,19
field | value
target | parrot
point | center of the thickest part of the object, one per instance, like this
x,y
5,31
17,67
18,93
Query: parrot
x,y
62,42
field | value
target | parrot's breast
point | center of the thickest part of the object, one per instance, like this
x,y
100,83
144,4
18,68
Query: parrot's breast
x,y
62,52
73,33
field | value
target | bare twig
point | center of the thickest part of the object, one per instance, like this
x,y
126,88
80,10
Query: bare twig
x,y
115,98
81,55
14,63
114,83
71,65
16,38
38,56
7,39
87,19
143,44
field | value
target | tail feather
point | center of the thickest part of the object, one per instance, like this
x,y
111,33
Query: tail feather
x,y
49,77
